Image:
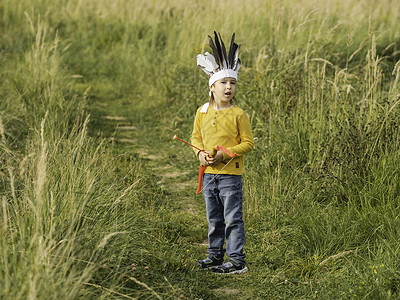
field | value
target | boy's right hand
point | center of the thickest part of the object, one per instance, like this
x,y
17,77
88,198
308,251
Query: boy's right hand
x,y
203,158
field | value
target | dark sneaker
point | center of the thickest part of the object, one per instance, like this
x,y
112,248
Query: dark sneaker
x,y
231,267
210,262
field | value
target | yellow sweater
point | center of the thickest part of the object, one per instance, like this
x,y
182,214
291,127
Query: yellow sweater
x,y
229,128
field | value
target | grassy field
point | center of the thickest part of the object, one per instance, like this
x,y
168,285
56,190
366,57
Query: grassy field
x,y
98,201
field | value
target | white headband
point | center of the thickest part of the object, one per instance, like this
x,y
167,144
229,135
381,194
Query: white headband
x,y
226,73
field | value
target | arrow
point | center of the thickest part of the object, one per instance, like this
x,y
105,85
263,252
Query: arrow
x,y
176,138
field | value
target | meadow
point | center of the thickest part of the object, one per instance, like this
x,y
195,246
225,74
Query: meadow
x,y
98,201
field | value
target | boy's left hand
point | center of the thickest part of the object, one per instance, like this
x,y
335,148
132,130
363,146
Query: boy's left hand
x,y
216,159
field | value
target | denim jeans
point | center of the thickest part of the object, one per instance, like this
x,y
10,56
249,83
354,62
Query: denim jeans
x,y
224,198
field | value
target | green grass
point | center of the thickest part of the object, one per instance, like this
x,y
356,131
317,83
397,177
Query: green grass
x,y
97,200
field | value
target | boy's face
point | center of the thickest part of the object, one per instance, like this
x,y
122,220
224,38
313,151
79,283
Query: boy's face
x,y
224,89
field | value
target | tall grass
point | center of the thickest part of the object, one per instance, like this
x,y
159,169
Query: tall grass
x,y
63,202
328,129
320,82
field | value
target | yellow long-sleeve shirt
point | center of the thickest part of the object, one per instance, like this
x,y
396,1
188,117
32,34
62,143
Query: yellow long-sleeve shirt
x,y
229,128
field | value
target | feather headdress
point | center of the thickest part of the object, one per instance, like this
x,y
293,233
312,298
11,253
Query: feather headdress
x,y
220,64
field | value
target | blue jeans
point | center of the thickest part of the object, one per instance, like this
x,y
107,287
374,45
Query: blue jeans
x,y
224,198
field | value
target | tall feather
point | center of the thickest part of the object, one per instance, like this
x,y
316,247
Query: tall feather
x,y
207,63
219,52
236,60
224,56
237,65
232,49
232,55
215,52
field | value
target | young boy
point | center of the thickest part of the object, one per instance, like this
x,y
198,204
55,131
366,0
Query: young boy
x,y
221,123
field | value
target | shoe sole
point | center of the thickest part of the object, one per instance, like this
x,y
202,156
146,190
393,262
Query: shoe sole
x,y
244,270
209,268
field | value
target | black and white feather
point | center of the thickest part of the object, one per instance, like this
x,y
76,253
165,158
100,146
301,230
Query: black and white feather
x,y
207,63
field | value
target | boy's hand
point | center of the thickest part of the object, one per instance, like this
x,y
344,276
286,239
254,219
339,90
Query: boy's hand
x,y
203,158
216,159
206,160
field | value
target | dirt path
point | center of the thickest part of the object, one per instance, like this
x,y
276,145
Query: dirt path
x,y
159,162
172,164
